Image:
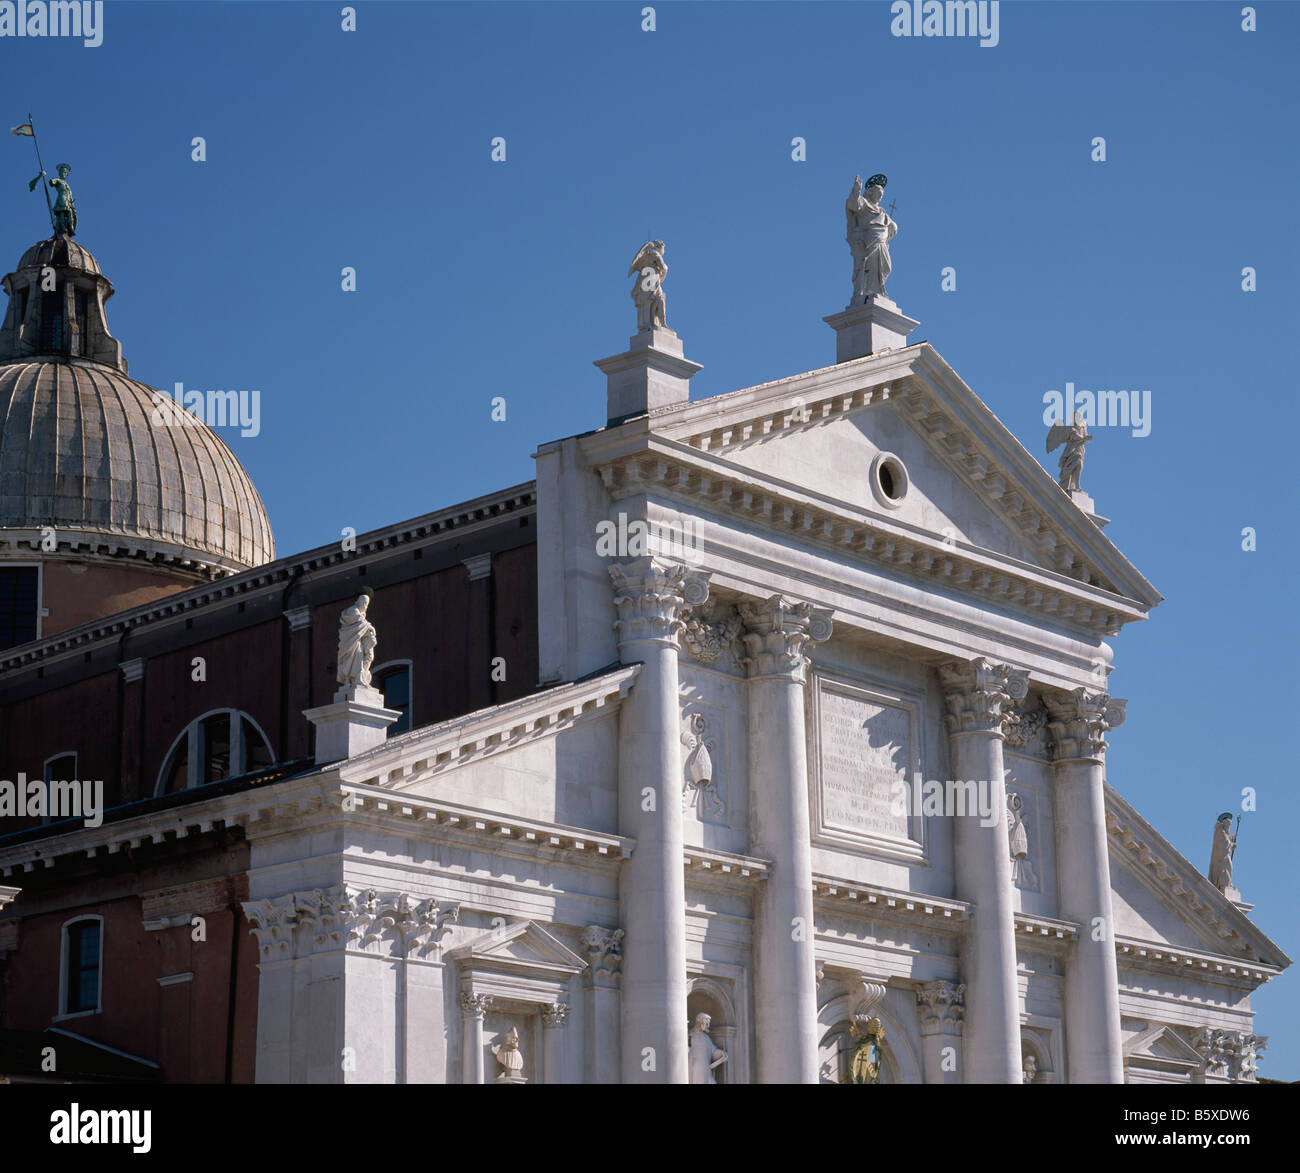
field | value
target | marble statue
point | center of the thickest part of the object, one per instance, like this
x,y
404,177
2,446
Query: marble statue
x,y
65,208
870,230
647,290
1225,845
510,1057
1074,436
1030,1068
704,1056
356,643
1021,872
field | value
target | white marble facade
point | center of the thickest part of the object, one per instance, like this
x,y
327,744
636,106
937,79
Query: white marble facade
x,y
698,813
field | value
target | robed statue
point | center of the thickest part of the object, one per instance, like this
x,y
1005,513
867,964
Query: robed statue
x,y
357,641
868,1034
870,230
1074,436
650,269
1221,853
704,1056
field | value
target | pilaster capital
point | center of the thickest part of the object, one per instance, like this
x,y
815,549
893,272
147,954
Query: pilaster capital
x,y
941,1007
1232,1054
650,595
554,1016
777,630
474,1005
1078,722
132,670
979,694
604,949
299,618
300,924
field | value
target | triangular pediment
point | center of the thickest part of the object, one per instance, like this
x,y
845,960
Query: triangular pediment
x,y
521,948
1162,1045
1160,898
975,496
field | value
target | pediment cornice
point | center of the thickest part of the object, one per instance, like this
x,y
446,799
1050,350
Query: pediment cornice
x,y
667,468
969,439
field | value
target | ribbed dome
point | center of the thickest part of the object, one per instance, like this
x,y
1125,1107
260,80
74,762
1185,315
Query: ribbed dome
x,y
59,250
79,450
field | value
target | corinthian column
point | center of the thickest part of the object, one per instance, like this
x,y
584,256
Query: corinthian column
x,y
652,889
978,694
785,969
1077,724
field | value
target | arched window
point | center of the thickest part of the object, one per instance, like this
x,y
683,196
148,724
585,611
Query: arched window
x,y
394,681
81,966
224,743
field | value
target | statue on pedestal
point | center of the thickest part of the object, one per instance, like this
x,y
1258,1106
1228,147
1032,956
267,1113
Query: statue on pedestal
x,y
704,1056
357,641
870,230
647,290
1074,436
1221,853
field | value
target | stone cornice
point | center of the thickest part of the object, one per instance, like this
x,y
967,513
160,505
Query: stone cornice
x,y
724,867
1160,957
404,761
520,499
970,439
874,900
1044,931
677,472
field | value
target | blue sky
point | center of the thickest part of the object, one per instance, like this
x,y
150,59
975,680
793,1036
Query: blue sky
x,y
478,279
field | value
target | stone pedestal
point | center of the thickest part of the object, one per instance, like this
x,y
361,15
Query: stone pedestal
x,y
1077,724
869,329
977,695
651,373
785,968
1085,502
355,722
649,597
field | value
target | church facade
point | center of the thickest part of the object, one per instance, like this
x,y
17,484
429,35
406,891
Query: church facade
x,y
761,738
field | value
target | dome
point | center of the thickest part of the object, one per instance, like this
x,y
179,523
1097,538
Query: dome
x,y
60,251
79,450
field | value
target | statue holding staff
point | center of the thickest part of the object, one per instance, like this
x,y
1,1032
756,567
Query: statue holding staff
x,y
870,229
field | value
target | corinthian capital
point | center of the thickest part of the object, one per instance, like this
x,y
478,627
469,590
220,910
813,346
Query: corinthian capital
x,y
650,596
1078,721
979,695
776,632
941,1007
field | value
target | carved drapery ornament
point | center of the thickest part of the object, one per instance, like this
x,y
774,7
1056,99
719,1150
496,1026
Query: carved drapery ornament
x,y
650,597
777,631
941,1007
1078,722
300,924
979,695
700,786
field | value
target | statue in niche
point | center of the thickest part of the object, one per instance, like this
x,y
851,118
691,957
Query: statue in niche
x,y
650,269
870,230
510,1057
1074,436
357,641
1221,853
1022,874
704,1056
700,788
1030,1066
